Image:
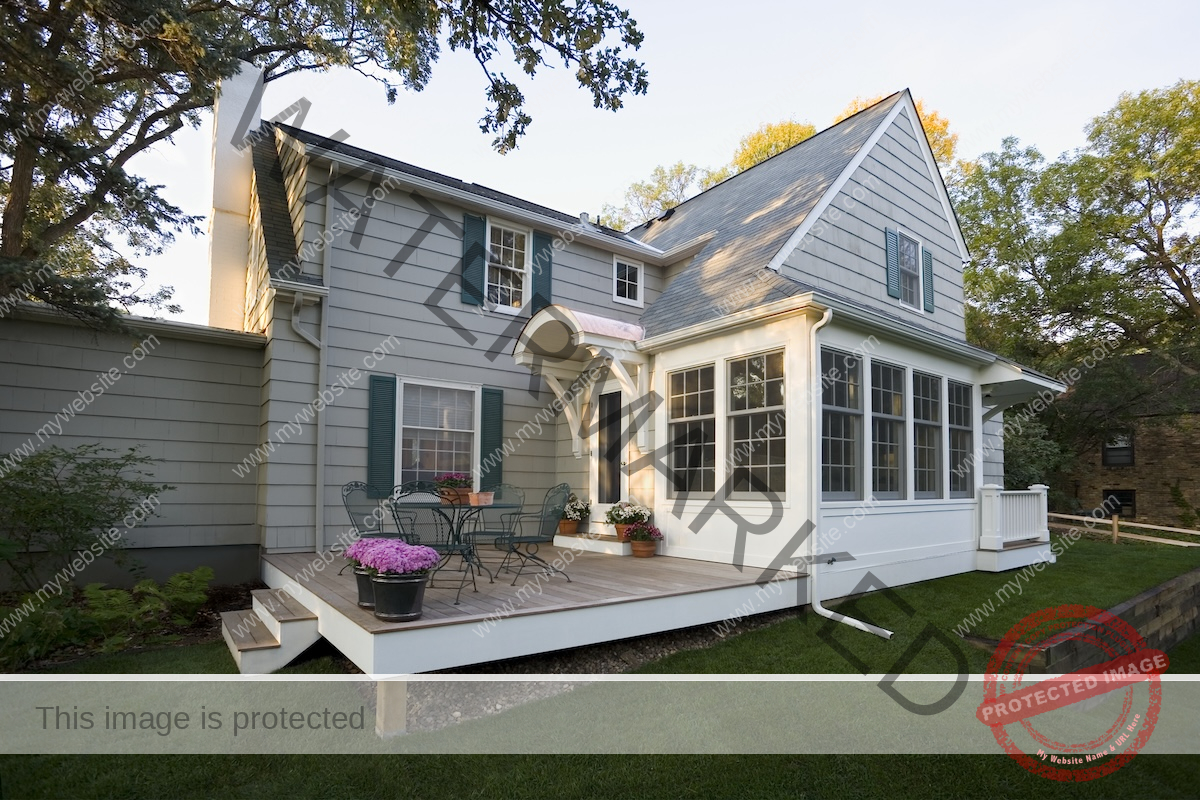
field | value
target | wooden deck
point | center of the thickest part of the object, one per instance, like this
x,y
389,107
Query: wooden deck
x,y
608,598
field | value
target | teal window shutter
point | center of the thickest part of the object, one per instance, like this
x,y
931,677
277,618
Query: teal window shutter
x,y
491,438
543,271
893,262
927,278
381,434
474,256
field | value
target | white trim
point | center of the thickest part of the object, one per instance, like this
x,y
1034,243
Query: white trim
x,y
641,282
904,102
811,217
610,386
526,280
477,388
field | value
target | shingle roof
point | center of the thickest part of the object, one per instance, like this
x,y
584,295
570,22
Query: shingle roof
x,y
278,237
436,177
753,213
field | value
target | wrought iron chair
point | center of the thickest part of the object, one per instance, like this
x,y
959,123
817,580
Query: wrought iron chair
x,y
366,513
534,529
432,527
488,521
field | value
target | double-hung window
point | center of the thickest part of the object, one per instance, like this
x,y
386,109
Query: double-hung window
x,y
910,271
887,430
693,430
437,431
960,416
507,267
757,425
927,435
1118,451
841,425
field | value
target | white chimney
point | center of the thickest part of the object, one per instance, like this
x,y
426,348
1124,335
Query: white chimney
x,y
237,113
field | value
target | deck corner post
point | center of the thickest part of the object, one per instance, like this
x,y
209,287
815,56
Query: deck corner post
x,y
391,708
990,524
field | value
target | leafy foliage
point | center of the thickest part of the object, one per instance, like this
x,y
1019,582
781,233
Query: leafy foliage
x,y
942,141
85,87
646,200
1030,455
54,502
767,140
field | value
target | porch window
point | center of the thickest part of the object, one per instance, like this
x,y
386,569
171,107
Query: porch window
x,y
627,282
887,430
693,431
507,267
910,272
960,414
927,435
1118,451
757,425
437,431
841,425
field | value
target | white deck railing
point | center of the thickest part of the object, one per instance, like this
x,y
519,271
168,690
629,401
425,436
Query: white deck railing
x,y
1012,516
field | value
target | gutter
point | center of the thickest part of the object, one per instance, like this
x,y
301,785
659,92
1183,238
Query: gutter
x,y
814,490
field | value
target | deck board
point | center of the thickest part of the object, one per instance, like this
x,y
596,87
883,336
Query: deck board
x,y
597,579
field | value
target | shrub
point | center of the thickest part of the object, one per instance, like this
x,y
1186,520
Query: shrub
x,y
53,504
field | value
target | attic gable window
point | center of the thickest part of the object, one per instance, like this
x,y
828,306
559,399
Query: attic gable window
x,y
627,282
507,267
910,272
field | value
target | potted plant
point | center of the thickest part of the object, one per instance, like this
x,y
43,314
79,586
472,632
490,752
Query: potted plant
x,y
454,487
398,571
623,514
575,512
354,554
643,539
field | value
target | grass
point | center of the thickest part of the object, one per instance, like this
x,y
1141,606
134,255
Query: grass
x,y
586,776
212,659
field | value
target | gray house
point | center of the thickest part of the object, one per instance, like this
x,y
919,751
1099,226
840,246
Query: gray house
x,y
785,347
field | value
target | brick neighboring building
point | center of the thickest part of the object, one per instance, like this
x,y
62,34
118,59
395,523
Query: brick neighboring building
x,y
1140,468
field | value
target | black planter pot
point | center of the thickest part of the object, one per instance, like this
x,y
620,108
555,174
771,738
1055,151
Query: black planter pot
x,y
398,597
366,591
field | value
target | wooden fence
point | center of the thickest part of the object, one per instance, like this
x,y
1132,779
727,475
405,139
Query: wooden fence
x,y
1115,524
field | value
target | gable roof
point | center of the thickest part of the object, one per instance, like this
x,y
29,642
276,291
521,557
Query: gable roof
x,y
279,240
754,215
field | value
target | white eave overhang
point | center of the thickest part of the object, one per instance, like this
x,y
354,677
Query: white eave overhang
x,y
1005,384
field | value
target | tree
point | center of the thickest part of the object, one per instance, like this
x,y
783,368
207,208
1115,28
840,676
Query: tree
x,y
84,87
937,128
646,200
768,140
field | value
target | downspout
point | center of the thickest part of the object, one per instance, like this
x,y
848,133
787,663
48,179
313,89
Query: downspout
x,y
814,489
322,369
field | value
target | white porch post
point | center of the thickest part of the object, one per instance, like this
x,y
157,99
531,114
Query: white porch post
x,y
990,520
1043,518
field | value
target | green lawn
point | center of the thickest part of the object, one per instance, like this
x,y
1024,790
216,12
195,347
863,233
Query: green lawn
x,y
212,659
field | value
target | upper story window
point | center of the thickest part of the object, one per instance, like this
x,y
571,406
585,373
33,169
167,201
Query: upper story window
x,y
841,425
507,281
1118,451
910,272
693,430
757,425
627,282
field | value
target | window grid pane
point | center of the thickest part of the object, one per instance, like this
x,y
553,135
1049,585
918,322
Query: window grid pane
x,y
910,276
959,413
757,424
927,435
693,430
628,281
841,425
437,432
887,429
506,267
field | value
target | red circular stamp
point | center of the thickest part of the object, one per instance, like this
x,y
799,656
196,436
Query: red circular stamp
x,y
1071,727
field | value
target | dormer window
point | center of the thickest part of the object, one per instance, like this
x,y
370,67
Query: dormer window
x,y
910,272
507,267
627,282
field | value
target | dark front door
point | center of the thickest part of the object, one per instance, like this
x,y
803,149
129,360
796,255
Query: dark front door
x,y
609,477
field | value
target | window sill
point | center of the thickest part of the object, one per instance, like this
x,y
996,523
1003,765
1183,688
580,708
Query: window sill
x,y
627,302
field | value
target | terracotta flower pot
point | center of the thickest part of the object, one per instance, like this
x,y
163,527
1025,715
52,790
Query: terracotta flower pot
x,y
458,496
482,498
398,598
568,527
644,549
621,528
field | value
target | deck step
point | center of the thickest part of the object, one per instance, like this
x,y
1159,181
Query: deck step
x,y
281,605
245,631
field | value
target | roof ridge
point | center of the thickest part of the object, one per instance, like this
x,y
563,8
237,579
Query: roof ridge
x,y
769,158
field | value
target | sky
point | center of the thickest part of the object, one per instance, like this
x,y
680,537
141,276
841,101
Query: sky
x,y
1035,70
